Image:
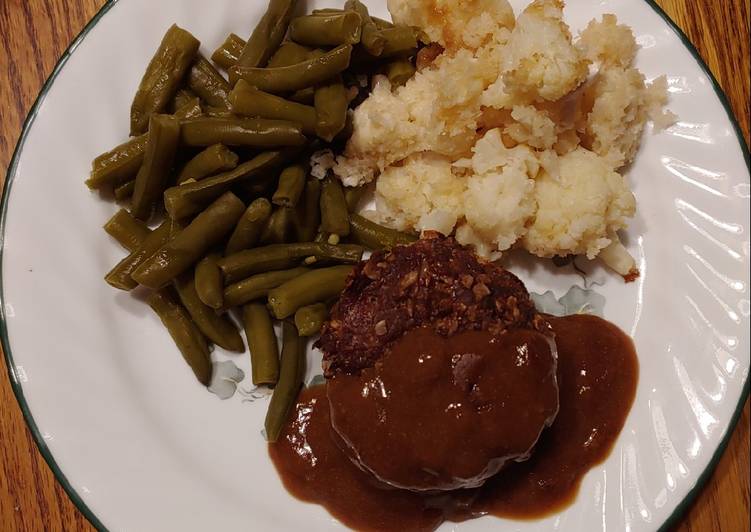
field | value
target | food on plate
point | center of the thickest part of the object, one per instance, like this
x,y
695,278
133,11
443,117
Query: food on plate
x,y
309,319
127,230
120,275
243,231
184,331
446,394
247,100
206,82
163,77
298,76
448,397
264,351
428,336
512,134
268,33
229,52
209,282
291,374
212,160
432,283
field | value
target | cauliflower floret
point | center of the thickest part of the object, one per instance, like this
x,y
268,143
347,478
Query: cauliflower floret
x,y
608,43
422,194
540,61
499,204
532,127
454,23
499,199
578,212
657,99
622,103
427,114
490,153
321,162
619,259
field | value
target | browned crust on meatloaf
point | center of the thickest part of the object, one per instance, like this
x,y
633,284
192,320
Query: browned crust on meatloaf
x,y
434,282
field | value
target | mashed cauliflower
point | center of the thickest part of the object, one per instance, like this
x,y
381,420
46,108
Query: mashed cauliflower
x,y
513,136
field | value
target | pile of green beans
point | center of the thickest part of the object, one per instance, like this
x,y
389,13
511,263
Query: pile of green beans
x,y
225,228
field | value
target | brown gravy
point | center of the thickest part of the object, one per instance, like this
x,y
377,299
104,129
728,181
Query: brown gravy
x,y
446,413
597,375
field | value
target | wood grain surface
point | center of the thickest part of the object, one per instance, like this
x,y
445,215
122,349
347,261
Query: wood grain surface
x,y
34,34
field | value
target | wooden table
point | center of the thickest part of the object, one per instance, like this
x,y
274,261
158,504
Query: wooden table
x,y
35,33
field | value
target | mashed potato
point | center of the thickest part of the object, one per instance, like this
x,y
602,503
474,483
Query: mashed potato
x,y
513,136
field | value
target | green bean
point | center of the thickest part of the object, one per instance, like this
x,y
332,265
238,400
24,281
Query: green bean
x,y
291,376
248,229
190,341
210,282
290,187
264,350
331,105
256,189
256,132
217,328
216,158
118,165
371,38
326,29
121,164
334,214
229,52
182,98
315,286
190,109
353,195
400,72
246,100
308,212
189,198
309,319
289,53
399,40
295,77
344,135
151,180
258,286
205,231
374,236
208,83
326,11
304,96
163,77
279,226
120,276
125,191
218,112
382,24
422,36
279,256
127,230
268,34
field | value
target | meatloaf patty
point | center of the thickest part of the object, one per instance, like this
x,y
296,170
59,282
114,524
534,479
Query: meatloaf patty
x,y
434,283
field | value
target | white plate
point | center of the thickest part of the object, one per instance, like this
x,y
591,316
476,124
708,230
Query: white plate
x,y
139,446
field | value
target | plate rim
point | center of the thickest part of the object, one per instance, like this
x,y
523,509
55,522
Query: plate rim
x,y
17,387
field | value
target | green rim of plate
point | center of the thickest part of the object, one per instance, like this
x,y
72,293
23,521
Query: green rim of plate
x,y
77,500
